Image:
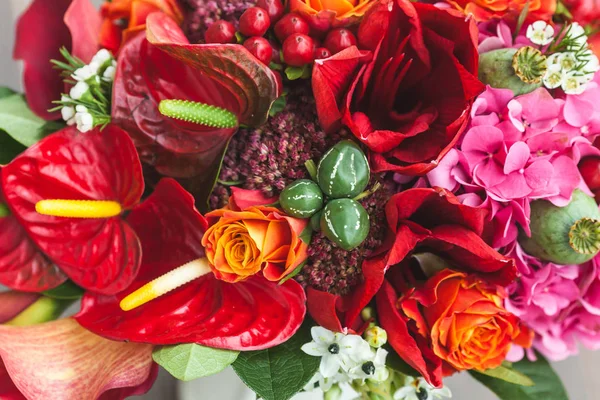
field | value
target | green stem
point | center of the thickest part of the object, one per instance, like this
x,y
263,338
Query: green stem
x,y
311,167
229,183
369,192
4,211
43,310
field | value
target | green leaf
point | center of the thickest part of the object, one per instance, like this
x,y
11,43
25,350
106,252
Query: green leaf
x,y
9,148
509,375
5,92
521,19
306,234
19,121
294,73
66,291
295,272
280,372
191,361
547,384
278,106
395,362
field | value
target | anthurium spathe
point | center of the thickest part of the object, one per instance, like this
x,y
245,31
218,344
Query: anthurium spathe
x,y
98,252
166,66
44,28
62,360
248,315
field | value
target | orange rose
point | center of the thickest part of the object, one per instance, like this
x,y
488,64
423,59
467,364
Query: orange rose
x,y
323,14
484,10
240,244
123,18
453,322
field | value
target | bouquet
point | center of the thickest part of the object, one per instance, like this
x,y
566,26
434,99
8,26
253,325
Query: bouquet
x,y
361,195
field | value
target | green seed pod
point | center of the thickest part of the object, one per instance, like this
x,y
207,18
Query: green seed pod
x,y
496,69
301,199
345,222
343,171
198,113
564,235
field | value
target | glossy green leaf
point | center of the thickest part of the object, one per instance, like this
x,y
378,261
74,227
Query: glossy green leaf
x,y
295,272
9,148
5,92
509,375
191,361
66,291
547,384
280,372
19,121
294,73
278,106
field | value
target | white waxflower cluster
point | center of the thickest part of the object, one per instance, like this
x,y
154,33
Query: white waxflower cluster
x,y
93,83
344,358
571,64
419,389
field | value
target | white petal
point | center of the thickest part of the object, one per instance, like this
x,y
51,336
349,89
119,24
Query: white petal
x,y
404,392
322,335
329,366
314,349
443,392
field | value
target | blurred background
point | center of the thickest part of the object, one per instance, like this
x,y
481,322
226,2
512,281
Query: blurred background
x,y
579,374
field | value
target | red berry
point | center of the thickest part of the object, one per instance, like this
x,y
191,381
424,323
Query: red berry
x,y
260,48
274,8
321,53
254,22
298,50
220,32
290,24
339,39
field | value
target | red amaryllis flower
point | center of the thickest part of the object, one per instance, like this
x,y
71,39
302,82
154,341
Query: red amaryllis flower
x,y
166,66
89,366
420,221
410,103
248,315
23,266
42,30
101,254
452,322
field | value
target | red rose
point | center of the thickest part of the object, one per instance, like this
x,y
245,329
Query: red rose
x,y
420,221
410,102
452,322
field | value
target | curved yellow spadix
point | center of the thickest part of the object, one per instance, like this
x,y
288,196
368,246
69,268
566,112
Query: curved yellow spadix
x,y
88,209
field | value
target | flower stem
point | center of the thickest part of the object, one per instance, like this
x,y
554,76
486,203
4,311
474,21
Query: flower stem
x,y
43,310
311,167
369,192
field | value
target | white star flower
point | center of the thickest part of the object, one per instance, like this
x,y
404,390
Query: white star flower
x,y
419,389
83,119
336,350
540,33
574,83
102,57
85,73
553,77
372,368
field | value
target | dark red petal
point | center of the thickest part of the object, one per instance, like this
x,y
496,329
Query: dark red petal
x,y
40,34
8,390
323,308
84,22
253,84
331,79
99,254
249,315
399,337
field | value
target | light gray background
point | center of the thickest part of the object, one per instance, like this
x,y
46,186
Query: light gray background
x,y
580,375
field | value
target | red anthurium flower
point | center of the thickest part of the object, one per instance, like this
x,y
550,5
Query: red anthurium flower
x,y
60,359
248,315
100,254
42,30
166,66
23,266
420,220
410,103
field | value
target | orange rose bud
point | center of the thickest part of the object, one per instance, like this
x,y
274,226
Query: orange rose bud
x,y
124,18
484,10
324,14
240,244
465,319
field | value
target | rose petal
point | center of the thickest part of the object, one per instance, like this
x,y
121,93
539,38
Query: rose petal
x,y
249,315
60,359
98,254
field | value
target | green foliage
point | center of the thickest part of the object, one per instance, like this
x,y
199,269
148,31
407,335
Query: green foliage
x,y
280,372
19,122
191,361
547,384
509,375
66,291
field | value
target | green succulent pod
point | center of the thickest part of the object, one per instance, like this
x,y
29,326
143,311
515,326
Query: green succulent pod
x,y
345,222
301,199
508,69
343,171
564,235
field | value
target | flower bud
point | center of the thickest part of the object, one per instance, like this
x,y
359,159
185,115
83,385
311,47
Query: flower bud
x,y
375,336
367,313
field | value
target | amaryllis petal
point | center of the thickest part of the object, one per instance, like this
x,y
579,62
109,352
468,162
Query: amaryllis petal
x,y
98,254
253,314
42,30
61,359
253,84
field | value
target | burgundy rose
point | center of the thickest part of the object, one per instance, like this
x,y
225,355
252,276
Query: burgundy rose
x,y
410,102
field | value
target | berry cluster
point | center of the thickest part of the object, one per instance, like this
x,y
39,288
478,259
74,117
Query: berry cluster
x,y
275,37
